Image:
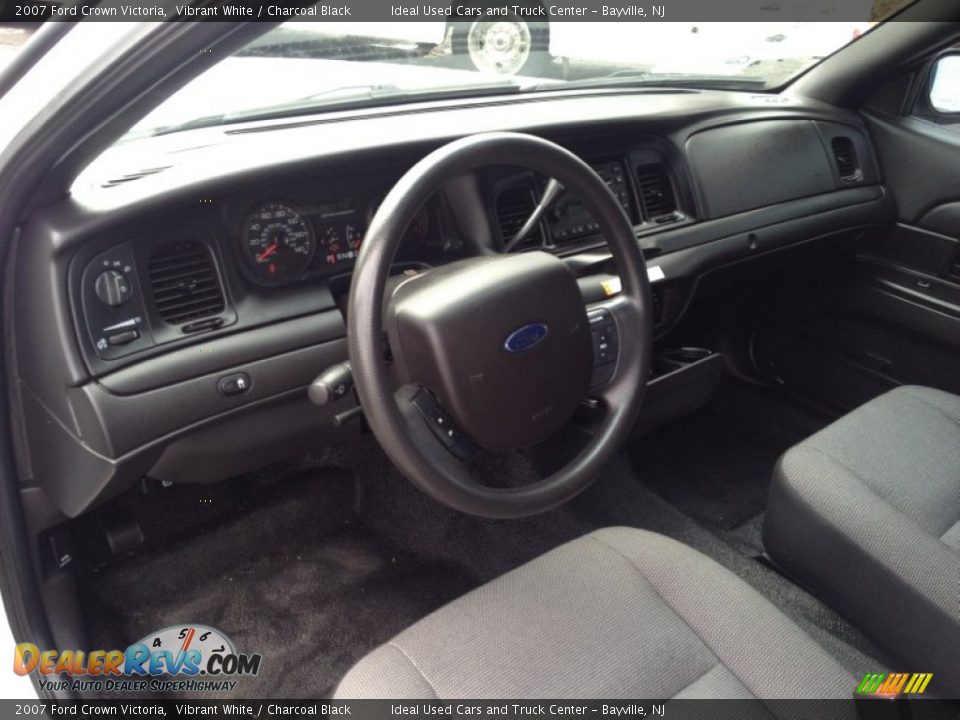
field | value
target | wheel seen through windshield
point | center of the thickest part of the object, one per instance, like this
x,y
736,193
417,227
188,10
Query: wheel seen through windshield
x,y
308,66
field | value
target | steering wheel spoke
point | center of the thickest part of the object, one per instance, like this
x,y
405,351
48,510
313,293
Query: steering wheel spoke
x,y
551,192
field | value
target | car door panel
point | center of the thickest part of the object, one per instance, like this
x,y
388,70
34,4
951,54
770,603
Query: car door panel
x,y
892,315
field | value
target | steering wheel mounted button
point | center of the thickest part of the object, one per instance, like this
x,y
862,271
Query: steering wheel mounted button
x,y
599,317
443,426
236,384
604,343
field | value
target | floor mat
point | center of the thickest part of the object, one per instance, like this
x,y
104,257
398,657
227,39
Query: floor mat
x,y
296,580
715,464
402,513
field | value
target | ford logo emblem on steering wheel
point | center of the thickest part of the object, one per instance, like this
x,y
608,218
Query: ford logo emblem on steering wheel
x,y
525,338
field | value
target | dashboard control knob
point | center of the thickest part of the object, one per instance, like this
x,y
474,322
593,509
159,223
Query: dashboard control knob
x,y
112,287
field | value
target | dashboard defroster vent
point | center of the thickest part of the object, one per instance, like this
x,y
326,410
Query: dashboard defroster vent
x,y
845,157
184,282
656,192
130,177
513,207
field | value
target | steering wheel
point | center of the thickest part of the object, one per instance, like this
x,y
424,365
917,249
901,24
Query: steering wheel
x,y
496,352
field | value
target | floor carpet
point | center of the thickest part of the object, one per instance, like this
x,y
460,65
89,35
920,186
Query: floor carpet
x,y
295,579
313,565
715,464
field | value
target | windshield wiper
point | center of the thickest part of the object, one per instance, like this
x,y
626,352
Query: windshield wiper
x,y
351,97
640,79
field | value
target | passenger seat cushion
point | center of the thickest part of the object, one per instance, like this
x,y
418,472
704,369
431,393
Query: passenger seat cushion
x,y
905,447
619,613
865,514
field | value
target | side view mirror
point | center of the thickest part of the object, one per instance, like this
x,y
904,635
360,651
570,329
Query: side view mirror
x,y
945,85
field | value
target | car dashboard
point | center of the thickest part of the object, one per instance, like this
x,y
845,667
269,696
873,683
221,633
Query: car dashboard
x,y
274,254
199,281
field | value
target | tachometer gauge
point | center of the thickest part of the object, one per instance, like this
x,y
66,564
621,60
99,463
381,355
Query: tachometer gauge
x,y
278,243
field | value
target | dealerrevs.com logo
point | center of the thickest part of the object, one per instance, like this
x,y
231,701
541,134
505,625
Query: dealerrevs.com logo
x,y
190,658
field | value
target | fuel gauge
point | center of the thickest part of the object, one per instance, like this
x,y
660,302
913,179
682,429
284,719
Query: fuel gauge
x,y
340,243
331,245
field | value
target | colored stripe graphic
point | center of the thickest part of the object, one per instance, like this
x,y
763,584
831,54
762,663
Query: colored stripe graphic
x,y
918,683
870,683
894,684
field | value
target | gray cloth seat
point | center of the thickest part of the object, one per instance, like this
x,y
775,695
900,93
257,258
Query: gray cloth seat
x,y
618,613
866,513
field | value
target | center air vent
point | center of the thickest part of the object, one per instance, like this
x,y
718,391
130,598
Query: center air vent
x,y
656,193
513,207
184,282
845,157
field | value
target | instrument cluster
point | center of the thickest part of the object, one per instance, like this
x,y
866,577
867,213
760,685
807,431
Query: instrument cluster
x,y
283,242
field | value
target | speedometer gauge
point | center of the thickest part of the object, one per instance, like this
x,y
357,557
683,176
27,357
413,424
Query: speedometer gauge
x,y
278,243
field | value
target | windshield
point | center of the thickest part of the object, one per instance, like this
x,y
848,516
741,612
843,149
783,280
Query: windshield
x,y
311,67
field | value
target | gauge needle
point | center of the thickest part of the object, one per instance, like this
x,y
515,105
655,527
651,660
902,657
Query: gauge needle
x,y
187,640
267,253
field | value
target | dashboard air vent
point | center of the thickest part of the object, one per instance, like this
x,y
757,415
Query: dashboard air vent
x,y
656,192
513,207
184,282
845,157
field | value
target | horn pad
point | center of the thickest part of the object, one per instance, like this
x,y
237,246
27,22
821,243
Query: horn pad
x,y
503,341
